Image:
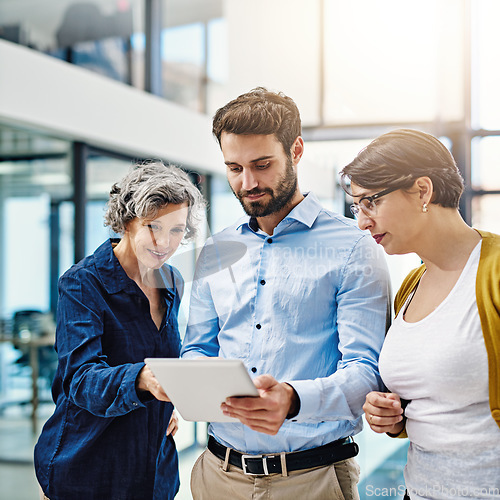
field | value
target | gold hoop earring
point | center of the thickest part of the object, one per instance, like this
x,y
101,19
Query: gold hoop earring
x,y
425,209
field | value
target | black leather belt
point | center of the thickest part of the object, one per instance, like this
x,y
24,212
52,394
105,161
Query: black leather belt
x,y
263,465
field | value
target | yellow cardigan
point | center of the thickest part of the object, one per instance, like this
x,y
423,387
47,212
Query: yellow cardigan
x,y
488,304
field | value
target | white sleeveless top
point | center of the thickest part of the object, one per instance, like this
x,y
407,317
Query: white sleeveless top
x,y
440,365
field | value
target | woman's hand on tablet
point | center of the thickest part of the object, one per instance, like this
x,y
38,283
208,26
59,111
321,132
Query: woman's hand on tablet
x,y
146,381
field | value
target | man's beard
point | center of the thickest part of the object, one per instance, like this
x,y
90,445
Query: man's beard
x,y
280,196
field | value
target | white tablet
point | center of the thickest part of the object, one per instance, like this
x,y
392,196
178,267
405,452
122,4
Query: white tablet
x,y
197,387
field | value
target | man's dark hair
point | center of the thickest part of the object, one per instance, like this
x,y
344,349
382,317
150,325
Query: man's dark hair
x,y
260,112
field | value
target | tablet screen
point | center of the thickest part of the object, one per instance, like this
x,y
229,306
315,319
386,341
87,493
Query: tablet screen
x,y
197,387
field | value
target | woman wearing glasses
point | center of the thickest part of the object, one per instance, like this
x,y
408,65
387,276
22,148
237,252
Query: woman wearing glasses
x,y
441,357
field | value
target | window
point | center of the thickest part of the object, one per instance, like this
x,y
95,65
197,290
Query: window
x,y
395,62
34,180
486,80
183,64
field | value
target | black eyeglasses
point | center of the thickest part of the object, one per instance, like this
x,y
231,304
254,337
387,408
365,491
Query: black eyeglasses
x,y
367,203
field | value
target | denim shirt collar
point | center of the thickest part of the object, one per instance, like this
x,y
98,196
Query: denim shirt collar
x,y
113,276
115,279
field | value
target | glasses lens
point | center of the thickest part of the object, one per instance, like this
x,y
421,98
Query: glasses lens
x,y
354,210
369,207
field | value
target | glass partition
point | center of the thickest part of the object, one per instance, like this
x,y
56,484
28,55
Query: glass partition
x,y
35,186
101,173
183,61
35,180
108,37
94,34
486,78
395,62
485,210
485,171
225,209
217,64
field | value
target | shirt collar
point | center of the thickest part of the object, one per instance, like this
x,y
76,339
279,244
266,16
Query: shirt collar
x,y
306,212
115,279
113,276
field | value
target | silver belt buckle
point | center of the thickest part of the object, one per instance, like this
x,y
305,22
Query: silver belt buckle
x,y
244,465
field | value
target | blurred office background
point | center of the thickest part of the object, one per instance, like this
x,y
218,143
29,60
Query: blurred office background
x,y
87,87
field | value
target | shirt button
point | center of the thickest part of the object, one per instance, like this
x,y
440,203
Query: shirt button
x,y
254,369
262,282
134,403
258,326
270,240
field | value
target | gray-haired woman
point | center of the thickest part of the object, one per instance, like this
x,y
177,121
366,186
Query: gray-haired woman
x,y
109,436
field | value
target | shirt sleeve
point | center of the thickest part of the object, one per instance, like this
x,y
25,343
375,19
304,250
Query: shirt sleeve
x,y
363,314
87,379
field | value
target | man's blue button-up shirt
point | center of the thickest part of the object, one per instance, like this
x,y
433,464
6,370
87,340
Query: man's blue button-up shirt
x,y
308,305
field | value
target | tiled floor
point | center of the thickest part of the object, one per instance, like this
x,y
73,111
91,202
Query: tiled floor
x,y
381,459
17,482
17,475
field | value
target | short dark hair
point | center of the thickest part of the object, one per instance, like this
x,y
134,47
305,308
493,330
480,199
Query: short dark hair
x,y
260,112
397,158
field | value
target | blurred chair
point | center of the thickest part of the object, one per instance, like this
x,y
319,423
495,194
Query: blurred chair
x,y
32,325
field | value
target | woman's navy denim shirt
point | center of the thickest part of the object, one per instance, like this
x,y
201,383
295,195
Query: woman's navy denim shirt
x,y
104,441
